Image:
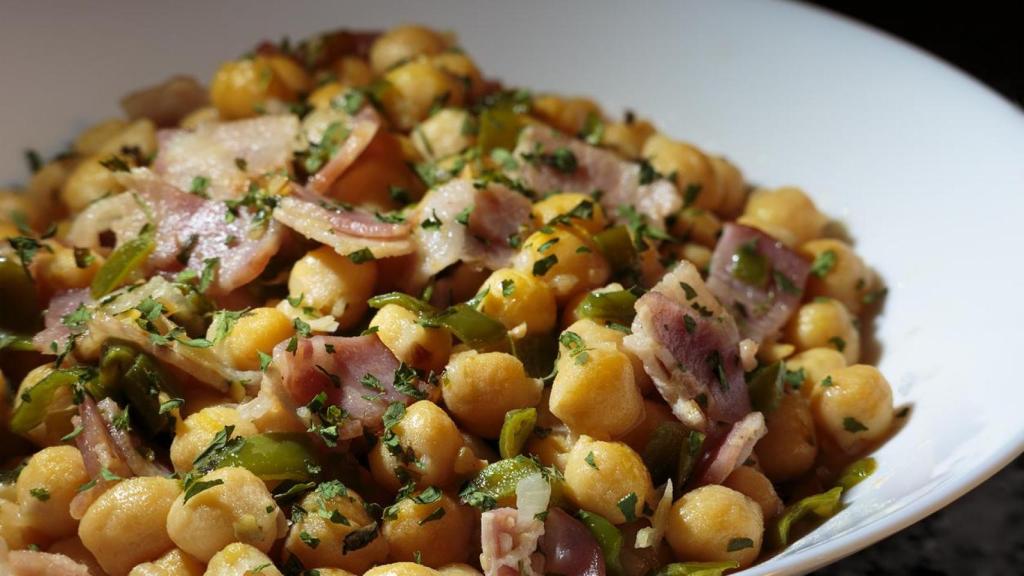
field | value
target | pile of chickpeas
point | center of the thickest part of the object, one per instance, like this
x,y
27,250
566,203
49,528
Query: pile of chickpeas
x,y
597,416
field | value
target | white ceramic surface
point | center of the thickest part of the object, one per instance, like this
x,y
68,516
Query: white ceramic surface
x,y
924,165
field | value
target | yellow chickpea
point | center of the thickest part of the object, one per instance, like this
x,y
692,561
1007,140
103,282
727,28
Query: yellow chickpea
x,y
426,348
94,137
334,572
616,478
478,390
333,285
379,170
258,331
46,487
173,563
753,484
786,213
139,134
714,524
240,509
420,531
317,540
414,88
463,68
656,412
126,525
241,88
197,118
843,275
404,43
443,134
514,298
61,272
352,71
627,138
566,114
697,225
322,98
823,323
57,422
589,381
595,334
563,259
238,559
402,569
789,448
731,187
194,434
855,408
458,570
88,182
697,254
427,433
817,364
11,530
563,203
16,202
45,185
692,168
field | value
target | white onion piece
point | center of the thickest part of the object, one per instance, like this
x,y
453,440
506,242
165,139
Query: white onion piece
x,y
651,536
532,495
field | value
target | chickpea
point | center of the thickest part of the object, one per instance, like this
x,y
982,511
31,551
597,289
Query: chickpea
x,y
443,134
379,170
563,203
700,226
656,412
238,559
553,448
786,213
333,285
195,433
60,271
11,531
438,538
563,259
14,202
846,279
45,185
258,331
429,433
241,509
317,540
627,138
697,254
126,525
566,114
789,448
753,484
705,523
617,473
514,298
426,348
241,88
322,98
89,181
693,169
402,569
57,422
334,572
594,334
731,187
352,71
404,43
824,323
855,409
173,563
46,487
92,139
414,88
817,364
458,570
462,68
140,134
591,379
478,390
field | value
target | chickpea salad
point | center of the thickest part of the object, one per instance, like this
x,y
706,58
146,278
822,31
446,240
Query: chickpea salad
x,y
357,308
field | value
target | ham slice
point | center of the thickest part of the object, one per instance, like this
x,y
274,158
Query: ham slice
x,y
509,544
356,373
734,449
362,128
228,154
596,169
33,563
54,329
167,102
99,452
760,308
689,346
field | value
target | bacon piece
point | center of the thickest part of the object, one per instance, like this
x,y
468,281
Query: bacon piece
x,y
362,128
596,169
690,347
760,310
33,563
508,544
495,214
54,329
347,230
99,452
357,374
219,151
126,443
734,449
569,547
168,102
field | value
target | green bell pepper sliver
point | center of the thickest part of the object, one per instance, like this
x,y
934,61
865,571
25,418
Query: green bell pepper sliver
x,y
498,480
15,342
749,265
36,400
617,247
499,127
516,430
275,456
19,306
856,473
765,387
537,352
688,456
823,505
467,323
140,379
697,568
609,539
124,260
616,306
663,450
406,301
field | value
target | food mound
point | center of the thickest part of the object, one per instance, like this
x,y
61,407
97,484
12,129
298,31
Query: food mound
x,y
358,309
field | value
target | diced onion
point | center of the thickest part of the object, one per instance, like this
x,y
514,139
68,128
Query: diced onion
x,y
532,495
651,536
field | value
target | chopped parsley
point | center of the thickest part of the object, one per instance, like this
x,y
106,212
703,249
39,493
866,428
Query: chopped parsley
x,y
361,256
463,216
577,348
838,342
199,186
737,544
508,287
852,425
589,459
405,382
41,494
823,263
437,514
432,222
83,257
196,486
628,506
561,159
541,267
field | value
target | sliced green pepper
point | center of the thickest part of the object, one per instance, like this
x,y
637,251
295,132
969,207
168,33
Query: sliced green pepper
x,y
406,301
470,325
688,456
141,379
765,387
36,401
124,260
608,537
617,247
697,568
750,266
616,306
823,505
516,430
856,473
497,482
15,342
499,126
19,307
537,352
275,456
672,452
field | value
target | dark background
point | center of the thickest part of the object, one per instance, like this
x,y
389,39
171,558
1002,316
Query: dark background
x,y
982,533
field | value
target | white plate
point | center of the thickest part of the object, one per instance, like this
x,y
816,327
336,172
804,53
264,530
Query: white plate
x,y
924,165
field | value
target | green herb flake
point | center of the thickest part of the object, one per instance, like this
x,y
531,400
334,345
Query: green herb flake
x,y
628,506
199,186
265,360
823,263
195,487
590,460
737,544
437,514
361,256
308,539
852,425
41,494
508,287
541,267
838,342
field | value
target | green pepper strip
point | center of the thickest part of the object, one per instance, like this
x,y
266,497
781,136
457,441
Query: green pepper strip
x,y
537,352
516,430
688,456
499,127
275,456
750,266
466,323
406,301
697,568
765,387
36,400
672,452
498,480
122,262
15,342
19,307
823,505
608,537
616,306
856,473
617,247
141,379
